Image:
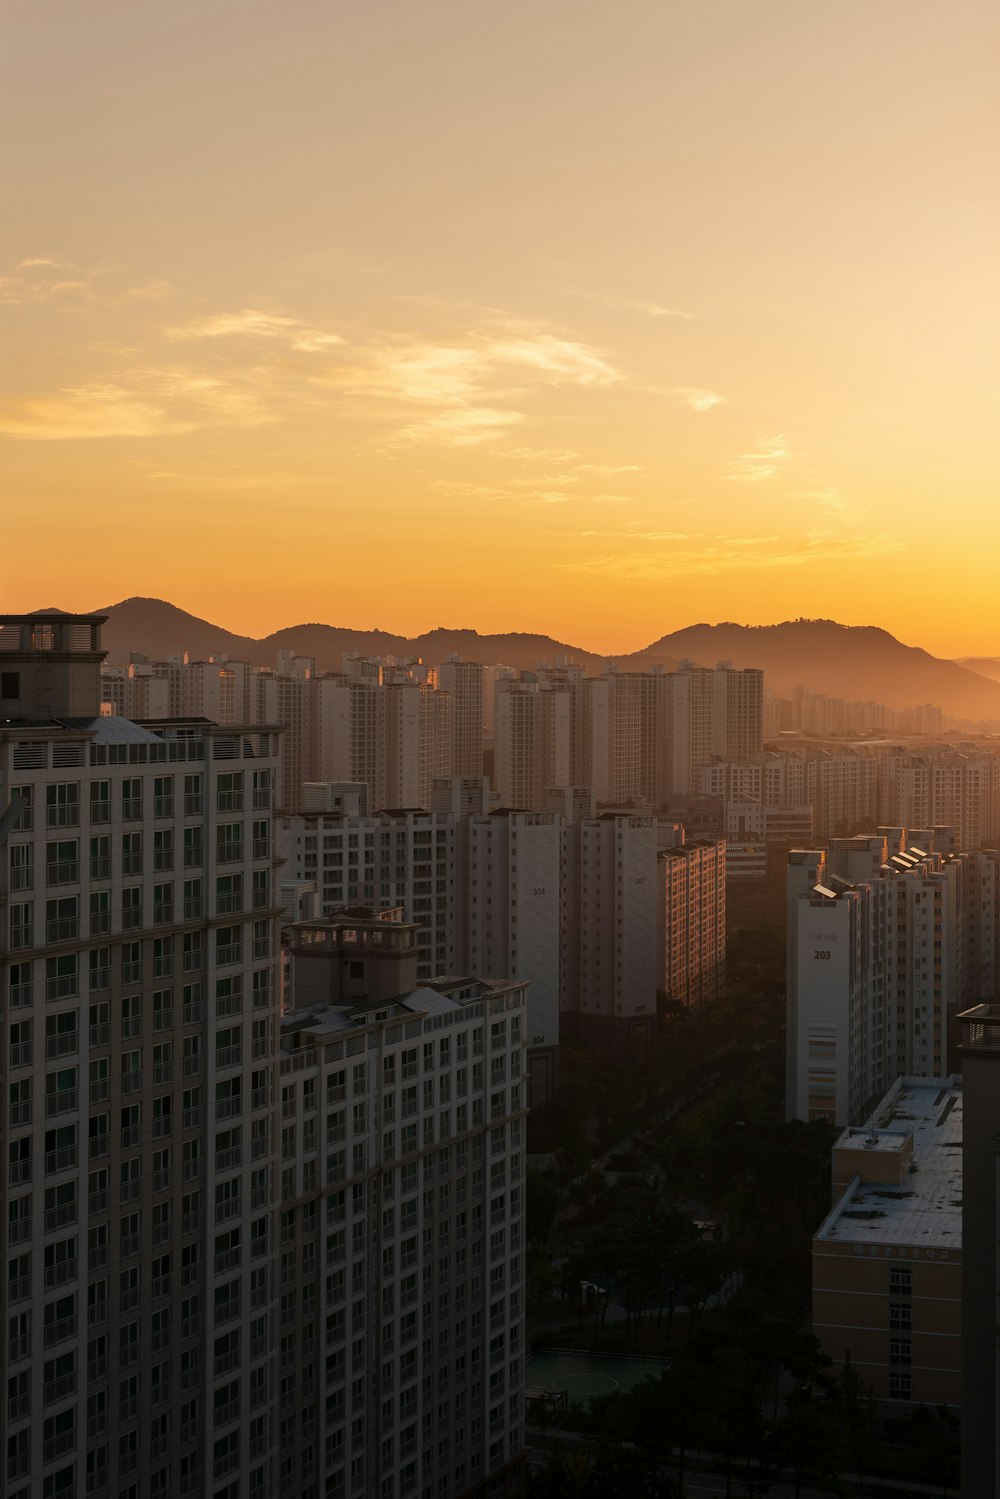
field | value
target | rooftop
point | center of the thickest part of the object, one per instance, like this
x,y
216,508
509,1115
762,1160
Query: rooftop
x,y
440,997
926,1211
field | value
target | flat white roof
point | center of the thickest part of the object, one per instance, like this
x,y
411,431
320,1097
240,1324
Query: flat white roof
x,y
925,1209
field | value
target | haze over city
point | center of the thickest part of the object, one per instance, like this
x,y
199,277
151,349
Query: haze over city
x,y
499,749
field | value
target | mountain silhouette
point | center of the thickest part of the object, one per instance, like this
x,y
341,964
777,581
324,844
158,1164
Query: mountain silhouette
x,y
857,662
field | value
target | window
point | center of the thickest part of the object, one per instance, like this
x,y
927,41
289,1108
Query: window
x,y
62,805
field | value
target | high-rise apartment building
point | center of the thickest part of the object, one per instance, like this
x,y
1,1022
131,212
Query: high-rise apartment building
x,y
140,1036
402,1222
877,966
692,892
463,682
532,741
611,931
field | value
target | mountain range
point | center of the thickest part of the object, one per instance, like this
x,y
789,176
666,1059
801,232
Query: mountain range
x,y
859,662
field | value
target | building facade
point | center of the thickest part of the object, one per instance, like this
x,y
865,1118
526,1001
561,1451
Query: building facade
x,y
402,1221
140,1039
888,1262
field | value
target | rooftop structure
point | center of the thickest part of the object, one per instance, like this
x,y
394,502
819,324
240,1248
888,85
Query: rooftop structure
x,y
901,1173
887,1261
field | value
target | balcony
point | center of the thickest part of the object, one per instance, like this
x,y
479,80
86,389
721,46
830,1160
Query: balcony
x,y
63,1102
66,1044
64,872
59,1330
60,1160
21,995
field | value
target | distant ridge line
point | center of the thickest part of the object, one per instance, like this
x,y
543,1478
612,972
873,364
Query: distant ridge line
x,y
856,662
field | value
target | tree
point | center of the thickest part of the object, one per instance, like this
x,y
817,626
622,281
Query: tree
x,y
854,1403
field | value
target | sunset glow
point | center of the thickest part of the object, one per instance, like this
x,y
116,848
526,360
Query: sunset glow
x,y
594,320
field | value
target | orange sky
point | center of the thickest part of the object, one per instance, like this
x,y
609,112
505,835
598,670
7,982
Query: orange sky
x,y
592,318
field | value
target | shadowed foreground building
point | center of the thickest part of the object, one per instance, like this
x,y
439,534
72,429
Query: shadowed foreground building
x,y
980,1051
140,1036
402,1212
888,1260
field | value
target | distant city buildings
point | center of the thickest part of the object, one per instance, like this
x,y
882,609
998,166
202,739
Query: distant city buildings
x,y
578,904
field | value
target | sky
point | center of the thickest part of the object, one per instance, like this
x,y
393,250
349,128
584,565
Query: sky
x,y
591,317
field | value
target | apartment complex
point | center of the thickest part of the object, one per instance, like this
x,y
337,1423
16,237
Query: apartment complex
x,y
876,969
578,905
401,1354
634,737
887,1263
140,1039
889,936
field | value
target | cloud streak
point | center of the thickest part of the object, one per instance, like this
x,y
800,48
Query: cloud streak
x,y
761,463
253,322
701,552
87,412
470,382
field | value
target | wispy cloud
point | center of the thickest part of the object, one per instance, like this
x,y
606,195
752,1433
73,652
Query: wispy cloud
x,y
231,479
646,309
470,382
253,322
91,411
830,498
150,291
762,462
684,553
143,401
608,468
461,427
694,396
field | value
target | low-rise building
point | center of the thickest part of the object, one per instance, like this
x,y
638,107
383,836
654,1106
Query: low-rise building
x,y
887,1261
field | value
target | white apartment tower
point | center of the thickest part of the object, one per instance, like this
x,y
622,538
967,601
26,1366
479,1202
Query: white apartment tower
x,y
610,931
402,1222
877,968
140,1035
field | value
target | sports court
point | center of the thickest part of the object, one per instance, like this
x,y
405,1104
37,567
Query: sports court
x,y
584,1375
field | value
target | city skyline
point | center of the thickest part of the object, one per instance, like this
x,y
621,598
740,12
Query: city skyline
x,y
557,303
